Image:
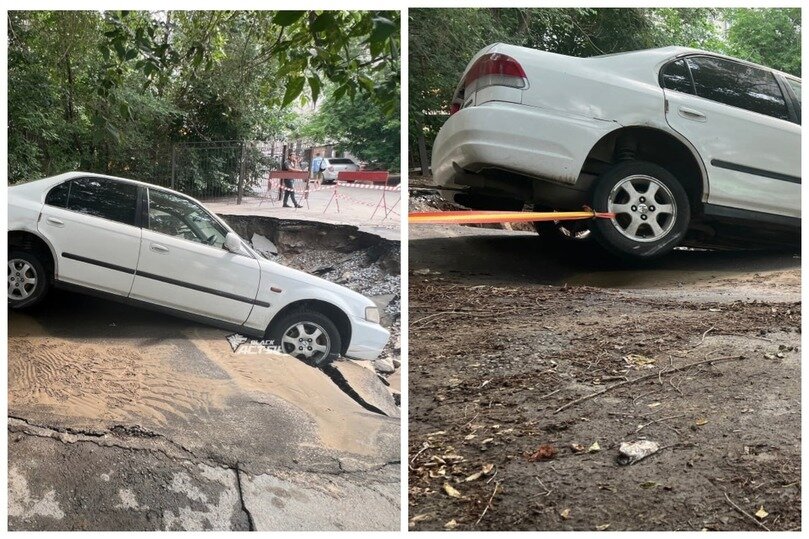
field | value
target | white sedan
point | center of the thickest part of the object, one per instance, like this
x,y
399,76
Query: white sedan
x,y
683,145
157,248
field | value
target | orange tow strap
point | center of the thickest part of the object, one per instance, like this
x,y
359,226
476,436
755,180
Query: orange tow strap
x,y
484,217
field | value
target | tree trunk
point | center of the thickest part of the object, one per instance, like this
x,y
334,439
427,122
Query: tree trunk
x,y
425,161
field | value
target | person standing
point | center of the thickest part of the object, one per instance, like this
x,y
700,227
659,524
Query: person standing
x,y
291,165
317,168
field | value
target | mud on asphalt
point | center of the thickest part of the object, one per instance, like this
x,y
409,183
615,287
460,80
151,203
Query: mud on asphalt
x,y
498,440
126,419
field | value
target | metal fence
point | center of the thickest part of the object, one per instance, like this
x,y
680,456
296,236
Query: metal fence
x,y
227,171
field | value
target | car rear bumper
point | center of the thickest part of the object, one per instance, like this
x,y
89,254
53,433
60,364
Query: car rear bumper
x,y
367,340
535,142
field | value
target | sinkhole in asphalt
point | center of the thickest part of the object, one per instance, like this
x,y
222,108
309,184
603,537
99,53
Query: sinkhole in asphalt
x,y
343,254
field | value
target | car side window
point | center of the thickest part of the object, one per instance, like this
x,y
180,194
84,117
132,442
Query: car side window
x,y
179,217
796,88
100,197
676,77
58,195
738,85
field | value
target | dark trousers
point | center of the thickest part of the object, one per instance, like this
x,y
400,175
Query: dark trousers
x,y
288,193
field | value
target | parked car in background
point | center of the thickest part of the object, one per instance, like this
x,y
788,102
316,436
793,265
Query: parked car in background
x,y
683,145
157,248
332,166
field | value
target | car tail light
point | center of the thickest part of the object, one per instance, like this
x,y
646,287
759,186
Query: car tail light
x,y
492,69
495,70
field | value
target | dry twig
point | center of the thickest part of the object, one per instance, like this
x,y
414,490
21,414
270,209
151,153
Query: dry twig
x,y
642,378
745,513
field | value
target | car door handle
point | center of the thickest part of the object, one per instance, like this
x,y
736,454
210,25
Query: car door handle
x,y
54,221
156,247
691,114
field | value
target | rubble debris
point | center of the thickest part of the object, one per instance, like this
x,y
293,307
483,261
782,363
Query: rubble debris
x,y
632,452
263,246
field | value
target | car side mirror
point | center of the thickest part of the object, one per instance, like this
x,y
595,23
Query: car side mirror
x,y
233,243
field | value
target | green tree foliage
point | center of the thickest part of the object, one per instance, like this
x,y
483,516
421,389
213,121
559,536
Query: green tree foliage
x,y
113,91
359,127
442,41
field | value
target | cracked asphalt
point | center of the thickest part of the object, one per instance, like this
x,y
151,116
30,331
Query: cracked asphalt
x,y
124,419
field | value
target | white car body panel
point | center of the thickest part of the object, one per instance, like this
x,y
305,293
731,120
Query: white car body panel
x,y
546,130
77,234
247,275
200,265
738,136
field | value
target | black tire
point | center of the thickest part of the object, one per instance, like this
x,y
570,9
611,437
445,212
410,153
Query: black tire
x,y
279,327
563,232
42,279
606,231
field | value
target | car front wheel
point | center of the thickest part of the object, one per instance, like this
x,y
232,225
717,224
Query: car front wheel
x,y
27,279
307,335
651,210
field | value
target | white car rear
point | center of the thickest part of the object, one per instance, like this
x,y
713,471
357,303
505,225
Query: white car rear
x,y
332,166
157,248
674,141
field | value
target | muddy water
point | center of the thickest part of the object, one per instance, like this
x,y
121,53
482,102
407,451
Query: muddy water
x,y
95,381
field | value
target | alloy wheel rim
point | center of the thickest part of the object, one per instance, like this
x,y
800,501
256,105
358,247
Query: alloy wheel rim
x,y
644,208
306,340
22,279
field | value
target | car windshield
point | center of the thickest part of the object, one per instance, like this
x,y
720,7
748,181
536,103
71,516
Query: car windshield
x,y
341,162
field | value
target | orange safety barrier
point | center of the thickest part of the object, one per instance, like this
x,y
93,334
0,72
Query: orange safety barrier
x,y
374,176
485,217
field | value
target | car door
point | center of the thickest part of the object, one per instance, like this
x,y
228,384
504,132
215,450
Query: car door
x,y
91,223
737,118
183,264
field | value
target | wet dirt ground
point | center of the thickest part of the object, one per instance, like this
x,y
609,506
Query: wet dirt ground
x,y
125,419
531,363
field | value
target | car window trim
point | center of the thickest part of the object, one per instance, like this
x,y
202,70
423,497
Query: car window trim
x,y
792,98
662,71
740,62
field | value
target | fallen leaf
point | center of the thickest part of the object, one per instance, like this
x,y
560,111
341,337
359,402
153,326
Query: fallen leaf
x,y
451,525
474,477
487,441
602,527
701,421
653,405
761,513
577,448
638,360
565,514
451,492
543,452
594,448
420,518
470,436
649,484
487,468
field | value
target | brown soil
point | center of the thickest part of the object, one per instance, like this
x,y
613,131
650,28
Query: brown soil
x,y
492,362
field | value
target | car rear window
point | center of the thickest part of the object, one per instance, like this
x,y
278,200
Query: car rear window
x,y
104,198
738,85
341,162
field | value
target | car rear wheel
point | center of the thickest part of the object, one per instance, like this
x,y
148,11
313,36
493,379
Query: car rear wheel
x,y
27,279
309,336
651,210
